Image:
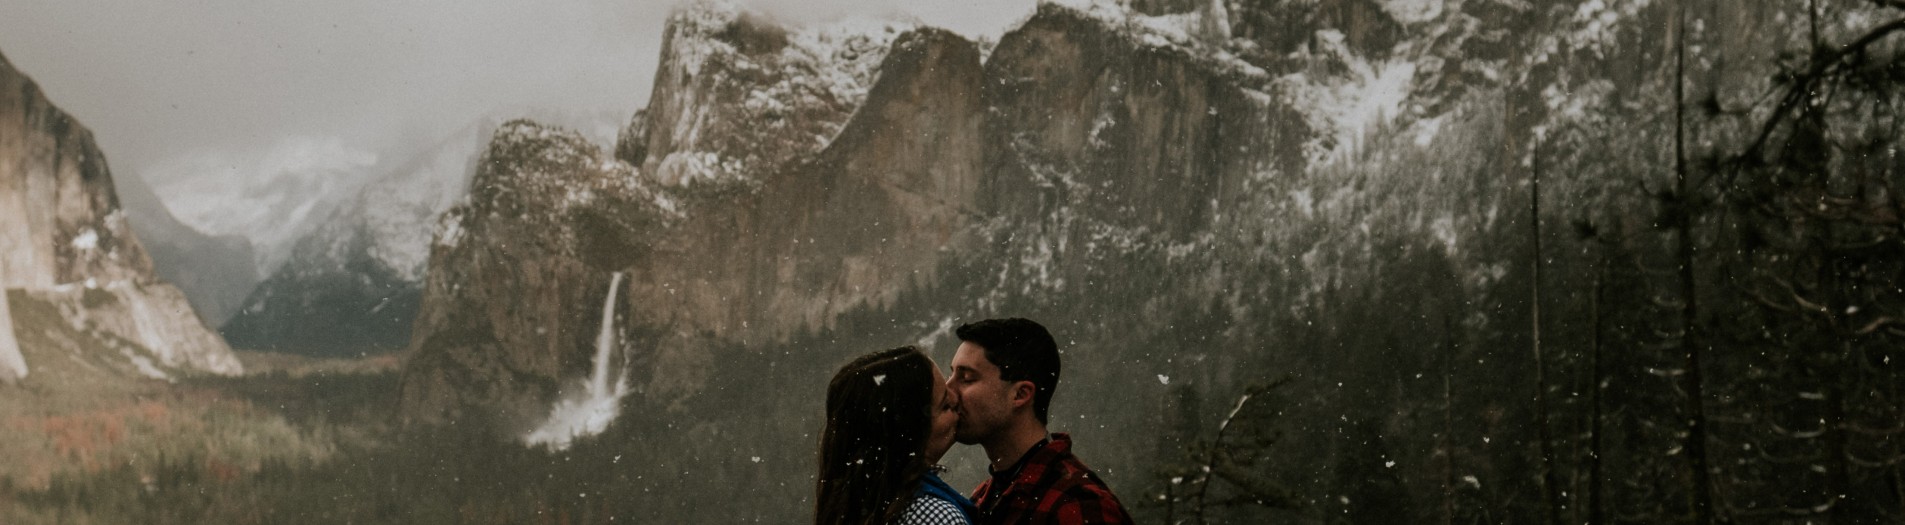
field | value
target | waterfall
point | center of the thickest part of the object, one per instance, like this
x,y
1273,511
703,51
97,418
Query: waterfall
x,y
605,343
600,400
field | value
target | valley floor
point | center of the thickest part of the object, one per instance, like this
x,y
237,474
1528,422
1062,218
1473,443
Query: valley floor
x,y
88,446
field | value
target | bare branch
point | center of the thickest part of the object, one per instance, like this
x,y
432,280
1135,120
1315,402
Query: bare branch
x,y
1877,463
1768,302
1797,459
1781,510
1822,66
1801,300
1877,323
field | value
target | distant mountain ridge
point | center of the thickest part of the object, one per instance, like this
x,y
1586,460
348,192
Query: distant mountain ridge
x,y
351,286
215,272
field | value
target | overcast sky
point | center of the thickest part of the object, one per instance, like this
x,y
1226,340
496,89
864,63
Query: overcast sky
x,y
168,84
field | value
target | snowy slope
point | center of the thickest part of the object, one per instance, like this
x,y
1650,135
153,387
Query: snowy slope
x,y
273,199
351,284
738,96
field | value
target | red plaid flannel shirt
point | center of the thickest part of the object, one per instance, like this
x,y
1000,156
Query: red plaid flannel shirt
x,y
1053,488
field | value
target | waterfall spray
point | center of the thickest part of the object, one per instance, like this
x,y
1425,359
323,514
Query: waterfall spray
x,y
600,400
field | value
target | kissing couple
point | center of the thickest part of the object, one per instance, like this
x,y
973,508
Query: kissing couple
x,y
891,416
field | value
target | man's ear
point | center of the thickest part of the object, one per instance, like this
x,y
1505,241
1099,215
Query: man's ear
x,y
1023,393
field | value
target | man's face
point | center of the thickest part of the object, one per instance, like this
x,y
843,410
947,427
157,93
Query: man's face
x,y
945,418
985,400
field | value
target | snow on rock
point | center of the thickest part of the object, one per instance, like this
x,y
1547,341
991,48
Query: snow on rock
x,y
1208,25
87,240
1596,22
152,316
61,224
549,158
738,94
1413,11
449,228
1348,108
396,213
273,199
1593,28
1202,36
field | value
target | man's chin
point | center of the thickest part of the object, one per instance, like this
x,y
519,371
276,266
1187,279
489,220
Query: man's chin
x,y
965,439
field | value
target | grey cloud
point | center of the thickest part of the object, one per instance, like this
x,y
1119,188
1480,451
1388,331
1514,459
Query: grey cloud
x,y
158,81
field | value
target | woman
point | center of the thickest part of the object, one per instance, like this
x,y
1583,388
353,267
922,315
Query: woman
x,y
890,418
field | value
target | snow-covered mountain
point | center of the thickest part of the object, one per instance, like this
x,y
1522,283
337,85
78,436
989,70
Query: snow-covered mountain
x,y
272,200
351,285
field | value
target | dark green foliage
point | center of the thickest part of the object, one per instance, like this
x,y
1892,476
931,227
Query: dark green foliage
x,y
366,308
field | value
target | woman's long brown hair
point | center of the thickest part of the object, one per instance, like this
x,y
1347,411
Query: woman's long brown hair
x,y
879,414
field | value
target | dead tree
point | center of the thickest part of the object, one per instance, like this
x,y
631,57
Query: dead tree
x,y
1693,381
1227,470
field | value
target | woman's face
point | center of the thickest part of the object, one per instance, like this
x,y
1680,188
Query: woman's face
x,y
945,418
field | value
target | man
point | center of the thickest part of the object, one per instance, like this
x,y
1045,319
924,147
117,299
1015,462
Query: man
x,y
1005,372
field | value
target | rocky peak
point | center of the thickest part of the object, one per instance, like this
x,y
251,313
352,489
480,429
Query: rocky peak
x,y
737,95
1164,7
546,210
1279,27
59,212
65,240
712,257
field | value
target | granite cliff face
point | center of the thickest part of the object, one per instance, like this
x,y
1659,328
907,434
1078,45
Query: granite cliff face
x,y
737,95
64,239
507,354
215,272
12,362
1400,208
753,247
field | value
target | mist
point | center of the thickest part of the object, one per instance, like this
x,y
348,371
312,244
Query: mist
x,y
1330,261
169,87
